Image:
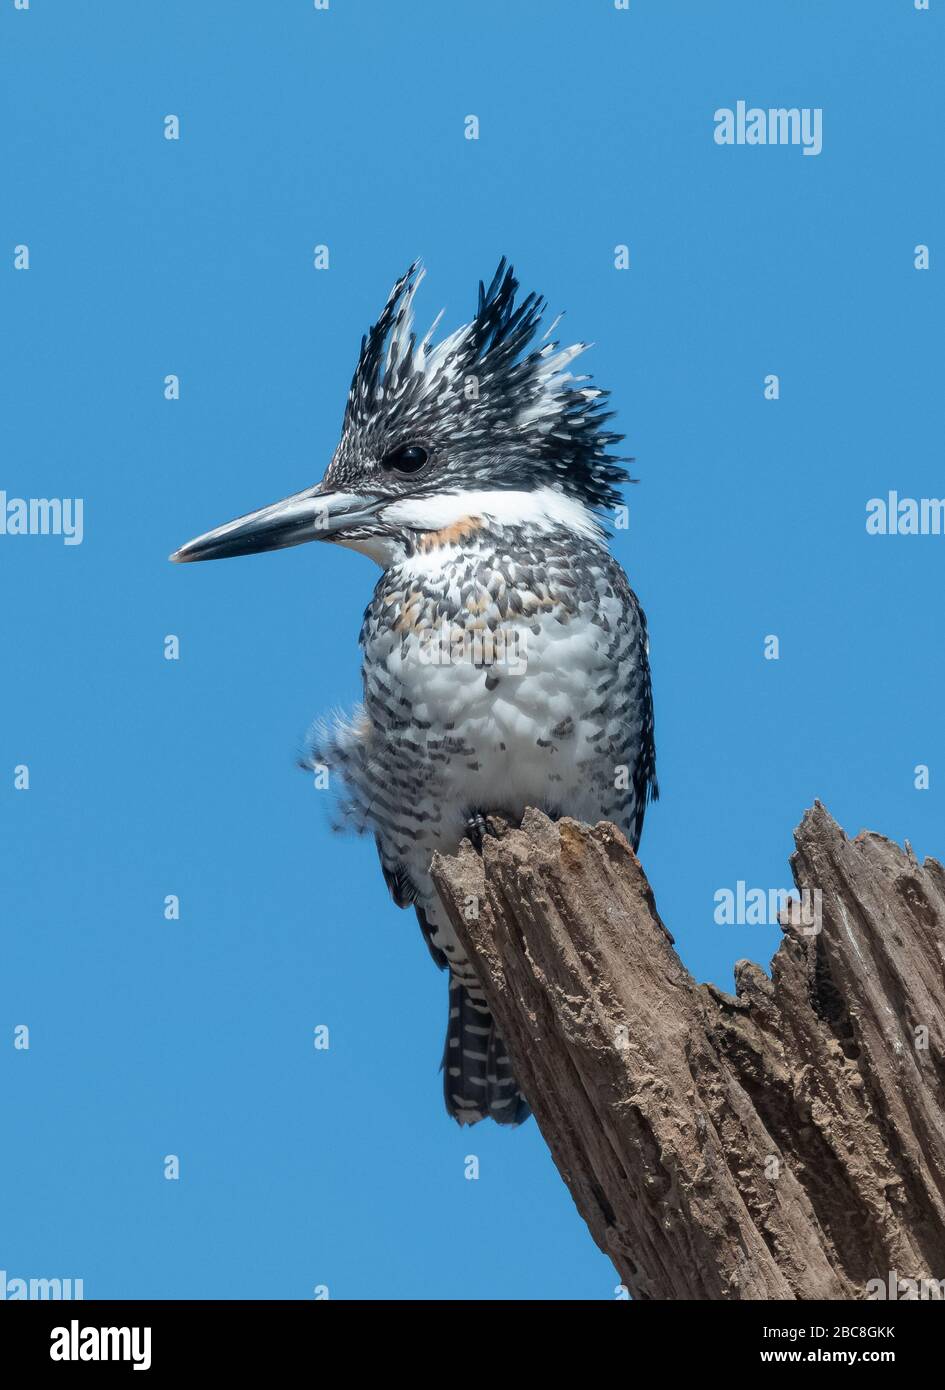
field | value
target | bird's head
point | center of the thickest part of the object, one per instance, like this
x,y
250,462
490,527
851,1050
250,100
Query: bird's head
x,y
489,423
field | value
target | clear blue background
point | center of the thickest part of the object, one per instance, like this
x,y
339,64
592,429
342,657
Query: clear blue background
x,y
151,777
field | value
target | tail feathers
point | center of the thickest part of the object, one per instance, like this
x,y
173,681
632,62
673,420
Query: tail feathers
x,y
477,1074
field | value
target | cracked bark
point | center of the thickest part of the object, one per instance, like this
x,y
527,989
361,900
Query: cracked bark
x,y
785,1142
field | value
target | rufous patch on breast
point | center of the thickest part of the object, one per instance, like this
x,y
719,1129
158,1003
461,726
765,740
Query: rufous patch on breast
x,y
456,532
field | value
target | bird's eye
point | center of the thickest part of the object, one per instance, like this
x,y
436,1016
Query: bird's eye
x,y
406,458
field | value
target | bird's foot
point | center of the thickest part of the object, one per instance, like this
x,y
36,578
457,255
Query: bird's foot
x,y
478,826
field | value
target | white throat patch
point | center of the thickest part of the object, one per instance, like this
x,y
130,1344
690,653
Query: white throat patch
x,y
544,509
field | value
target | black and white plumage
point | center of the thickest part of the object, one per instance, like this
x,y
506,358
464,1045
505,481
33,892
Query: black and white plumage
x,y
505,657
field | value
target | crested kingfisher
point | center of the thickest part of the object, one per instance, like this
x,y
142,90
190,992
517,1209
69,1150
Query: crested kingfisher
x,y
504,654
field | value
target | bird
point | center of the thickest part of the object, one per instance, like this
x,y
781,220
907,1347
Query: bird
x,y
505,657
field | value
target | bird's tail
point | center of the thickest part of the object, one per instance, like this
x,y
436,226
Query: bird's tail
x,y
477,1074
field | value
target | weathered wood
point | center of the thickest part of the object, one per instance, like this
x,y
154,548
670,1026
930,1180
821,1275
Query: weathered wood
x,y
784,1142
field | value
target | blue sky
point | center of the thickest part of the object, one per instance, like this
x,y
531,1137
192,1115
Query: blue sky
x,y
151,777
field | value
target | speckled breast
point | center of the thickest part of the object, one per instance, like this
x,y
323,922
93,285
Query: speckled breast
x,y
501,672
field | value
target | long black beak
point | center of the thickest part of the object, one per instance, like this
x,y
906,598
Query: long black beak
x,y
312,515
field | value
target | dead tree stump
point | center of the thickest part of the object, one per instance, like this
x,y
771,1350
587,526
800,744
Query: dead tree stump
x,y
784,1142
